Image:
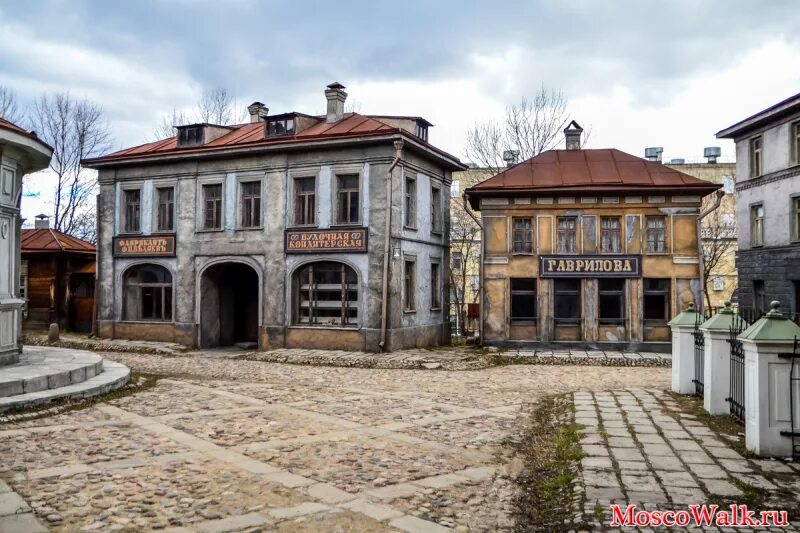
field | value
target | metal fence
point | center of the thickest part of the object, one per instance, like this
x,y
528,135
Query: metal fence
x,y
699,358
736,392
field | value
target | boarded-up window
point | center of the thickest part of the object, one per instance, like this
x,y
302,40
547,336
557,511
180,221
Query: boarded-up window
x,y
212,206
567,235
610,240
657,235
523,236
523,300
326,294
611,301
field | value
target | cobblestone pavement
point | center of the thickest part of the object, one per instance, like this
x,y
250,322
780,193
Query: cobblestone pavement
x,y
642,448
230,445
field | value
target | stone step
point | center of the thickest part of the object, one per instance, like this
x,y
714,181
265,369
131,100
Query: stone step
x,y
113,376
40,369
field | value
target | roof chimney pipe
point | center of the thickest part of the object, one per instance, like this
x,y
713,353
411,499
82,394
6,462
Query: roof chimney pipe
x,y
42,222
653,153
258,112
572,134
711,153
511,157
336,96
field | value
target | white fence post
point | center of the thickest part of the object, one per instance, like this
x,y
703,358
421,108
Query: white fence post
x,y
717,365
683,350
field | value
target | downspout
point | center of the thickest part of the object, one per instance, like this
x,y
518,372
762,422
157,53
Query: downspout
x,y
398,153
718,195
480,270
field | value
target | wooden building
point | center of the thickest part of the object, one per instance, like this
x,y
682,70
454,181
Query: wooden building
x,y
57,278
596,248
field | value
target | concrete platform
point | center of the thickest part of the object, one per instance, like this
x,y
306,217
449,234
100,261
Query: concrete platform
x,y
45,374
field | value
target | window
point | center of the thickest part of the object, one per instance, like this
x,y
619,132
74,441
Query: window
x,y
455,189
282,126
251,204
523,301
212,206
728,184
718,283
436,298
147,293
165,219
567,235
326,295
795,140
610,241
757,225
523,236
190,136
611,302
795,215
347,207
411,203
436,209
756,148
305,206
457,261
657,235
656,300
133,209
759,297
409,285
567,301
422,131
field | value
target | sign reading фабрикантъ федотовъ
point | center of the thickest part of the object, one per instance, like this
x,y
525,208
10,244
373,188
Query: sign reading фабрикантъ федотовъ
x,y
590,266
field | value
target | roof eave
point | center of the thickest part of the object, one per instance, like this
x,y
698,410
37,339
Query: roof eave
x,y
777,111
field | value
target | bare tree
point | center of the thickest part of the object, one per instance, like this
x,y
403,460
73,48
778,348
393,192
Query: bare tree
x,y
9,107
216,106
76,130
529,127
465,242
166,128
718,235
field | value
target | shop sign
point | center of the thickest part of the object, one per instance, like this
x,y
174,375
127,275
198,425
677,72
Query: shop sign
x,y
324,241
590,266
151,246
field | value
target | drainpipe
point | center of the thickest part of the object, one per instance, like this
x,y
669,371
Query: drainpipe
x,y
480,270
398,153
718,195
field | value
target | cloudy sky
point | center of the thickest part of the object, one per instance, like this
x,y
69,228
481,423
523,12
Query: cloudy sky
x,y
639,73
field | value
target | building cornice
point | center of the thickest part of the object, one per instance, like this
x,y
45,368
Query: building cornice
x,y
766,179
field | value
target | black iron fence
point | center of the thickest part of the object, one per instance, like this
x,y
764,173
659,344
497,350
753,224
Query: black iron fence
x,y
735,397
699,358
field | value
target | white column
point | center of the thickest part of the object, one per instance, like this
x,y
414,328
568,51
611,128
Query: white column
x,y
682,359
716,371
766,398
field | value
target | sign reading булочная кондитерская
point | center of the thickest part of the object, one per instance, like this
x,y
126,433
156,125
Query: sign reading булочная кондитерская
x,y
590,266
299,241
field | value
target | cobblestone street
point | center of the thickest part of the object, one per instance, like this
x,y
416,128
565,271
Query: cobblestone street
x,y
230,445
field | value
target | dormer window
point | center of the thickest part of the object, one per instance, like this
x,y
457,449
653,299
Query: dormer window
x,y
422,131
190,136
280,126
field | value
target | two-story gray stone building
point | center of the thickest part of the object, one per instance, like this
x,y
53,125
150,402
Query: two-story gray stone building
x,y
290,231
768,205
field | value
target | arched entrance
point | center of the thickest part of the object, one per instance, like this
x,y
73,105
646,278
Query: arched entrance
x,y
229,299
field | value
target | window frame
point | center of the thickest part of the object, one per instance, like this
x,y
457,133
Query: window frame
x,y
794,209
165,288
568,321
573,230
345,288
666,293
794,141
615,293
516,232
649,231
409,284
410,202
617,230
756,151
436,284
437,211
339,177
757,224
256,204
523,320
204,205
456,261
158,188
297,195
125,227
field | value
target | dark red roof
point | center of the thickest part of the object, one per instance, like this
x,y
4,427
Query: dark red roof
x,y
51,240
10,126
252,134
589,171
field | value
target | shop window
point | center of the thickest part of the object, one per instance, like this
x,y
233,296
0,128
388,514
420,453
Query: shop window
x,y
567,301
567,235
610,240
436,209
656,300
212,206
250,204
436,298
132,211
165,218
409,285
757,225
305,201
523,300
147,293
756,150
611,302
523,236
411,203
326,294
657,235
348,210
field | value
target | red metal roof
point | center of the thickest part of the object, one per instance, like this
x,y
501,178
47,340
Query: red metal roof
x,y
51,240
572,171
10,126
252,134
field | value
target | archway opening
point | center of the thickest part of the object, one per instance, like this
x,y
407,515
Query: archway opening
x,y
229,306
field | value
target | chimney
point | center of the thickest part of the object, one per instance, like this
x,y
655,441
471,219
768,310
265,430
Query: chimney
x,y
511,157
336,96
42,222
258,111
711,153
572,134
653,153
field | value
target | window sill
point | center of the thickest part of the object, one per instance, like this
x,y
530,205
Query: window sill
x,y
346,225
164,232
332,328
436,309
214,230
409,311
438,233
658,253
524,254
410,228
129,233
524,323
303,226
254,228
